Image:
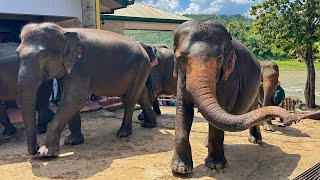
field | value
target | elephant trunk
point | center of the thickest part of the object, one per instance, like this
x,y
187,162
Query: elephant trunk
x,y
202,87
270,83
27,94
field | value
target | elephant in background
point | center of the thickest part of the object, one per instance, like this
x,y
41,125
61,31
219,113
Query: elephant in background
x,y
84,61
222,78
270,82
163,81
9,68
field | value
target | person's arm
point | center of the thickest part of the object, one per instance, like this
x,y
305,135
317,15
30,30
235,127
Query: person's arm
x,y
282,102
310,115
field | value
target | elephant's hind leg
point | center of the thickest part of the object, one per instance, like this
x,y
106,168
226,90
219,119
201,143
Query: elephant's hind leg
x,y
9,129
76,137
149,117
126,126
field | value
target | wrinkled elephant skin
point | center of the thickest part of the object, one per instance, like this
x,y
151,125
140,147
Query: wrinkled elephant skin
x,y
221,77
270,80
9,67
84,61
162,79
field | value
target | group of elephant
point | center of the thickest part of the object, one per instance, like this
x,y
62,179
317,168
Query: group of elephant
x,y
207,68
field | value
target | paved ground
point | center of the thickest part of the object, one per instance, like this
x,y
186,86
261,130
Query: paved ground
x,y
147,153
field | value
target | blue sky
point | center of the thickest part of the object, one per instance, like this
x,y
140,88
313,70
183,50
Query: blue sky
x,y
202,6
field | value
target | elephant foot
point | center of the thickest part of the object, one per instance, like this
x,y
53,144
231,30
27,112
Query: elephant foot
x,y
157,111
48,152
124,131
149,124
216,162
268,127
74,139
181,166
42,128
254,140
141,116
9,131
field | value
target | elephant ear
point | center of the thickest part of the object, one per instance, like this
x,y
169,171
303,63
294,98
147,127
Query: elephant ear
x,y
175,70
72,51
152,53
230,59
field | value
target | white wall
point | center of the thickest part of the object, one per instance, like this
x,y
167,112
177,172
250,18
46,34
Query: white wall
x,y
67,8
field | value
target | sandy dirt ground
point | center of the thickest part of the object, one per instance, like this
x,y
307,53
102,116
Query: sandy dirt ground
x,y
147,153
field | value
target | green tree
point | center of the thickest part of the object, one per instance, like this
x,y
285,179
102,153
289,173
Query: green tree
x,y
291,25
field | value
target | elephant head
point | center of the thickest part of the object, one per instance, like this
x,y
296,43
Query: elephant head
x,y
269,78
205,55
46,51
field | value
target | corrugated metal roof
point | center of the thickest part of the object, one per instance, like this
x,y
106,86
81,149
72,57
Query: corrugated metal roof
x,y
144,11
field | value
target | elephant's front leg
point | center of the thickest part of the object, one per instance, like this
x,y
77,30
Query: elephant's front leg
x,y
45,113
215,158
74,96
254,132
182,159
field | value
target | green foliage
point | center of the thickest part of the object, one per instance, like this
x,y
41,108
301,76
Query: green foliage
x,y
287,25
152,37
294,65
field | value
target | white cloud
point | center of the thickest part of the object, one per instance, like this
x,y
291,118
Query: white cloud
x,y
241,1
166,5
204,6
195,6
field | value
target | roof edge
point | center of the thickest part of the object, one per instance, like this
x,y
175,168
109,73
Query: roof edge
x,y
141,19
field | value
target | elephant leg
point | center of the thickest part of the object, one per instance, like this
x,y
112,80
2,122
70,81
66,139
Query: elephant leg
x,y
126,126
9,129
42,106
156,107
74,97
149,117
255,135
76,137
182,159
254,132
215,158
267,125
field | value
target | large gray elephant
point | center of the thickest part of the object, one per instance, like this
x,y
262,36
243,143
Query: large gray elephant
x,y
163,81
9,67
270,81
85,61
221,77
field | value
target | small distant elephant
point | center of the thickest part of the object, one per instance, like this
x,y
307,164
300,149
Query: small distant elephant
x,y
163,81
84,61
9,68
222,78
270,81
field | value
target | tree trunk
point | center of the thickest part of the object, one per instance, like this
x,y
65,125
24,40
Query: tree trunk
x,y
309,91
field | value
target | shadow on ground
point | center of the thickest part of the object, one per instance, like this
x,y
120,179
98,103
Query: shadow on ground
x,y
100,149
246,161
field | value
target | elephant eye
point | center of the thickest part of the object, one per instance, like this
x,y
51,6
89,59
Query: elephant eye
x,y
219,58
44,54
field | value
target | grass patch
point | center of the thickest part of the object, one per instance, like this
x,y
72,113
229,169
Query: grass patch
x,y
294,65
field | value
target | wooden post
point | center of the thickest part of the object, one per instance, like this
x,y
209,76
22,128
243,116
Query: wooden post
x,y
98,18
